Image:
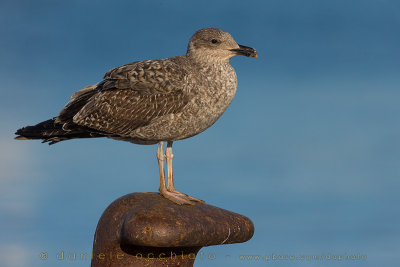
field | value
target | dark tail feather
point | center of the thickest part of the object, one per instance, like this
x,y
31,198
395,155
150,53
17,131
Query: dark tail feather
x,y
52,132
43,130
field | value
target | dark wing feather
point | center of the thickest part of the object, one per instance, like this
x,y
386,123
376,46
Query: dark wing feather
x,y
78,100
133,95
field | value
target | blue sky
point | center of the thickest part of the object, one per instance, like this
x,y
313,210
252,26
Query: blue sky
x,y
309,148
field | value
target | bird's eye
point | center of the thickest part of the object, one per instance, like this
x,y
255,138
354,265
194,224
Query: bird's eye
x,y
214,41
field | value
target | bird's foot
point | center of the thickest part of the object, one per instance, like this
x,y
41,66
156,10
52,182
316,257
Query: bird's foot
x,y
187,196
179,198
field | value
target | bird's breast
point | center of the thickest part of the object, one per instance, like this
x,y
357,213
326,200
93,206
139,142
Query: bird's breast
x,y
217,90
211,99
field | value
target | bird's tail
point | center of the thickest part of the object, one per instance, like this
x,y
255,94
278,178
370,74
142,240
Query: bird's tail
x,y
46,130
53,132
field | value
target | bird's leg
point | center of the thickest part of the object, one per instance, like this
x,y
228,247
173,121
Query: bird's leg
x,y
160,158
174,197
170,186
170,156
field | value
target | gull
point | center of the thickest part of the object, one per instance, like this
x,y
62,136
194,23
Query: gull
x,y
154,101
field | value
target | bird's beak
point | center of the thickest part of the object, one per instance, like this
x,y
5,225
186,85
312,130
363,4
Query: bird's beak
x,y
245,51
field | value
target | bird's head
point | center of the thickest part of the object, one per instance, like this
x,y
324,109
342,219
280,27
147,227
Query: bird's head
x,y
216,45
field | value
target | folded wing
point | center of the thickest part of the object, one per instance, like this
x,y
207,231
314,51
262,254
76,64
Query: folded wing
x,y
131,96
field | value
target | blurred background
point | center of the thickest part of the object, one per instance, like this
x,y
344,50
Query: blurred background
x,y
309,149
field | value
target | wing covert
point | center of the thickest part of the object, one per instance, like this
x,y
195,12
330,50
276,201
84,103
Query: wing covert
x,y
146,77
133,95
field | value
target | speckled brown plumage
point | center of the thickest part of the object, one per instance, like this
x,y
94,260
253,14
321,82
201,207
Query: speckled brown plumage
x,y
151,101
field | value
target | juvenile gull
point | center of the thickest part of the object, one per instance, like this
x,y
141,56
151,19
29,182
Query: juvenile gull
x,y
153,101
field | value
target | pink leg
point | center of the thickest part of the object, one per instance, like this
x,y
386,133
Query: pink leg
x,y
174,197
170,186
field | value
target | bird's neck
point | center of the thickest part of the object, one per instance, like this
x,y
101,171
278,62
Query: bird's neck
x,y
207,61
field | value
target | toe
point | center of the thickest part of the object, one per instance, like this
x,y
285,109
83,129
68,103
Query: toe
x,y
188,197
177,198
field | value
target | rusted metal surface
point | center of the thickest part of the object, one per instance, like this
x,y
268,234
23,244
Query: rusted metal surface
x,y
145,229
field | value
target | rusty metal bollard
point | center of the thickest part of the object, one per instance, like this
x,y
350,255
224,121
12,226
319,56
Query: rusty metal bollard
x,y
145,229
